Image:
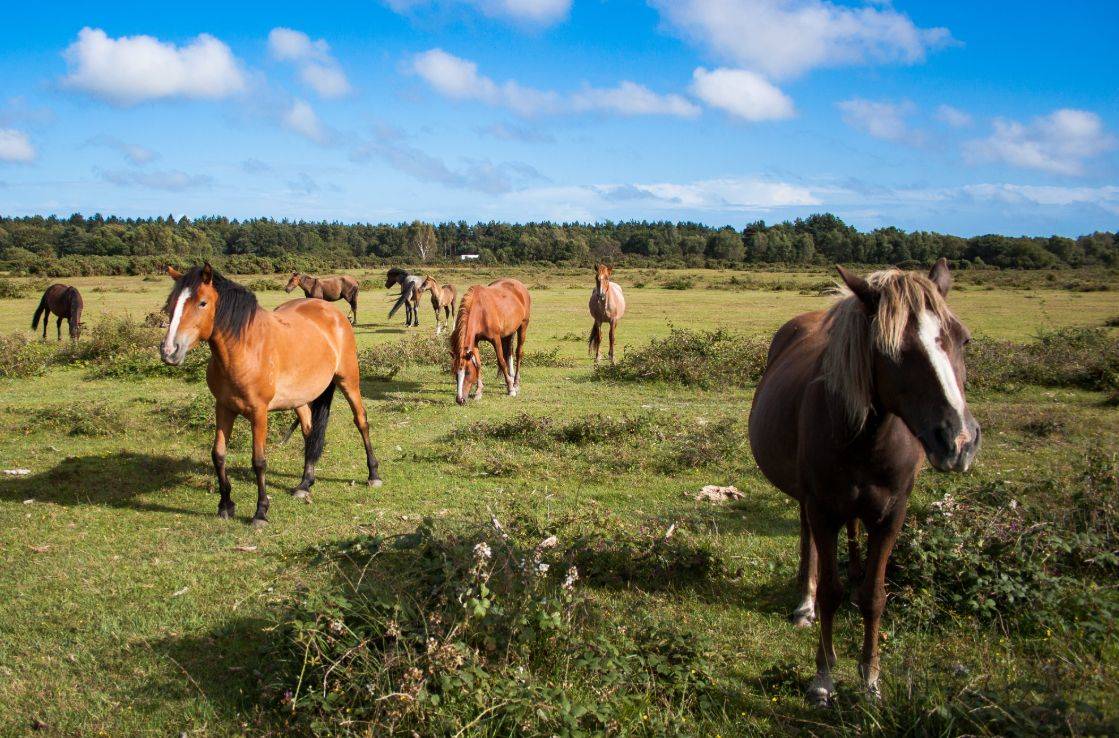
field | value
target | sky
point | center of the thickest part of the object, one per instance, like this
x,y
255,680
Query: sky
x,y
960,117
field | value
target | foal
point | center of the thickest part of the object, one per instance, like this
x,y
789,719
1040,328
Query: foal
x,y
607,305
442,300
291,358
65,302
851,400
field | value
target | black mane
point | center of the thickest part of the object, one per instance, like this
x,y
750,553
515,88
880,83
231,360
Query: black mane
x,y
236,304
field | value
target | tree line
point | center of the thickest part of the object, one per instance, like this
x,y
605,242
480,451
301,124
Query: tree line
x,y
81,245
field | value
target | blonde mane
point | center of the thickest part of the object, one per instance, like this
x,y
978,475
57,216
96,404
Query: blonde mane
x,y
854,335
458,337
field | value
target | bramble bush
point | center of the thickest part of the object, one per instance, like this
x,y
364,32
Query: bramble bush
x,y
704,359
1087,358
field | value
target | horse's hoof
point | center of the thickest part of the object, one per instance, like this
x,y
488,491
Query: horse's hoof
x,y
259,523
820,691
302,494
225,513
803,618
375,482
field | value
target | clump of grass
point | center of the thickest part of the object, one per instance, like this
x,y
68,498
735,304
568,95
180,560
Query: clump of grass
x,y
549,358
11,290
87,419
705,444
706,359
266,285
21,357
678,283
1087,358
386,360
484,628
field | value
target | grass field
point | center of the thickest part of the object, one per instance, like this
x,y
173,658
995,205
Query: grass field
x,y
128,608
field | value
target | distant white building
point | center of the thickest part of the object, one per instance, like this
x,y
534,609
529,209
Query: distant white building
x,y
467,257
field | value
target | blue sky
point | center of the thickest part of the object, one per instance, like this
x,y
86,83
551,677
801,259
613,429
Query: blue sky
x,y
960,117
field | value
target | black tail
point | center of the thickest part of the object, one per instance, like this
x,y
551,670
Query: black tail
x,y
595,340
401,301
43,307
320,416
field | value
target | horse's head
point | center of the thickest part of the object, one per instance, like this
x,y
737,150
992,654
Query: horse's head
x,y
76,329
192,306
602,275
917,371
396,275
427,285
466,367
293,282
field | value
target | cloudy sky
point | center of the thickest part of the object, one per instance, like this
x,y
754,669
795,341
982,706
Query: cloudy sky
x,y
965,117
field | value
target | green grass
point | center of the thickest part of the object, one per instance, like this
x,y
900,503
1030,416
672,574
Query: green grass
x,y
128,608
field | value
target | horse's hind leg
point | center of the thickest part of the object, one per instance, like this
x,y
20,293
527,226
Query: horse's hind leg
x,y
521,332
854,557
350,384
58,325
260,464
502,348
353,307
805,614
225,420
613,327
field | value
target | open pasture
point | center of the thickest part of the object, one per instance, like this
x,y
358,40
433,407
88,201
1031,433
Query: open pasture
x,y
127,607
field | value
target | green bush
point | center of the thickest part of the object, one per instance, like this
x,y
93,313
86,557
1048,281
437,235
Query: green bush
x,y
21,357
705,359
121,346
11,290
1087,358
267,285
384,360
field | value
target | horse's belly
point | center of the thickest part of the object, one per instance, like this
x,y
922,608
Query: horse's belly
x,y
293,392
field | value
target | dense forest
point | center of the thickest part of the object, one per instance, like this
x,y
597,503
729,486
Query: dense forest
x,y
108,245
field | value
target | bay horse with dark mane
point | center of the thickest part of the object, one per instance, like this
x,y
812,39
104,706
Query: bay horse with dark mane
x,y
494,313
327,288
851,401
65,302
291,358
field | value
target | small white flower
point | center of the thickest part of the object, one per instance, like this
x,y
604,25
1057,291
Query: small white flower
x,y
482,552
571,578
542,568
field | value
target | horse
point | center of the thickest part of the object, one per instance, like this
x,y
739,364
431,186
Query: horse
x,y
607,305
291,358
409,294
442,300
851,401
327,288
65,302
493,313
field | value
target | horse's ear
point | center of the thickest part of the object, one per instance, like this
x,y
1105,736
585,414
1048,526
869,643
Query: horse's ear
x,y
941,277
173,273
860,287
609,270
207,273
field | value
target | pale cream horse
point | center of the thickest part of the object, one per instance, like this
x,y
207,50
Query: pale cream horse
x,y
607,305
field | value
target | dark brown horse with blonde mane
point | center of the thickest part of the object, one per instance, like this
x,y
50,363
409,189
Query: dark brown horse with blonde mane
x,y
851,401
65,302
494,313
327,288
442,301
291,358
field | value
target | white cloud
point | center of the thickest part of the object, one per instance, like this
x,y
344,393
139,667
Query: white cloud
x,y
880,119
318,69
529,12
1106,197
1062,142
15,146
301,119
723,194
741,93
134,153
131,69
783,38
171,180
459,79
953,117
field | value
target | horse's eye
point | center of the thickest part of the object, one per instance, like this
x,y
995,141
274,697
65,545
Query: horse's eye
x,y
202,304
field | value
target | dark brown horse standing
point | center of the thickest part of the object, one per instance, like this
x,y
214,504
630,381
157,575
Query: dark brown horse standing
x,y
65,302
291,358
327,288
851,400
494,313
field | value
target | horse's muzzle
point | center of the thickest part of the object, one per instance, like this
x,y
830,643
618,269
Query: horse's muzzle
x,y
461,400
953,452
174,357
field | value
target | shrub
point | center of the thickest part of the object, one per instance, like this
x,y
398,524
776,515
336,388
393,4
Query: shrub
x,y
1087,358
266,285
88,419
383,361
11,290
702,358
484,629
121,346
21,357
678,283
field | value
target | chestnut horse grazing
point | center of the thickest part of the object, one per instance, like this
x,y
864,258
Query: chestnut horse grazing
x,y
607,305
442,300
327,288
289,359
65,302
851,400
493,313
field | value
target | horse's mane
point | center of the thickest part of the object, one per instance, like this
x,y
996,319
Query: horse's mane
x,y
236,304
458,337
397,272
854,334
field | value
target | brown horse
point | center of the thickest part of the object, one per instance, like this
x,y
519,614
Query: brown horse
x,y
409,295
65,302
494,313
607,305
851,400
442,300
289,359
327,288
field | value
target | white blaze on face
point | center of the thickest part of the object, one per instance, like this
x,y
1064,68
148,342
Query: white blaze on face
x,y
460,377
173,329
928,332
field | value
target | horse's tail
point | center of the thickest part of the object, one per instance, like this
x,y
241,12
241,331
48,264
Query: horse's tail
x,y
320,415
595,340
403,298
43,308
290,431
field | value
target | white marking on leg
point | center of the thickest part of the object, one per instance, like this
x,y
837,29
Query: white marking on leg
x,y
176,316
928,332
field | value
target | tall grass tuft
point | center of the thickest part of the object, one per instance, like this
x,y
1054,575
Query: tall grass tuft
x,y
707,359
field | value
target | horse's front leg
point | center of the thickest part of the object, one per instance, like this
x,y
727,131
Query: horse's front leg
x,y
871,596
521,332
260,464
828,596
805,614
225,420
613,327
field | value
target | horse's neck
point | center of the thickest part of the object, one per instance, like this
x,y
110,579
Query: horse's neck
x,y
308,283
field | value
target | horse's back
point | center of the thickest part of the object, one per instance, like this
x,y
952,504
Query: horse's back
x,y
792,366
508,288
